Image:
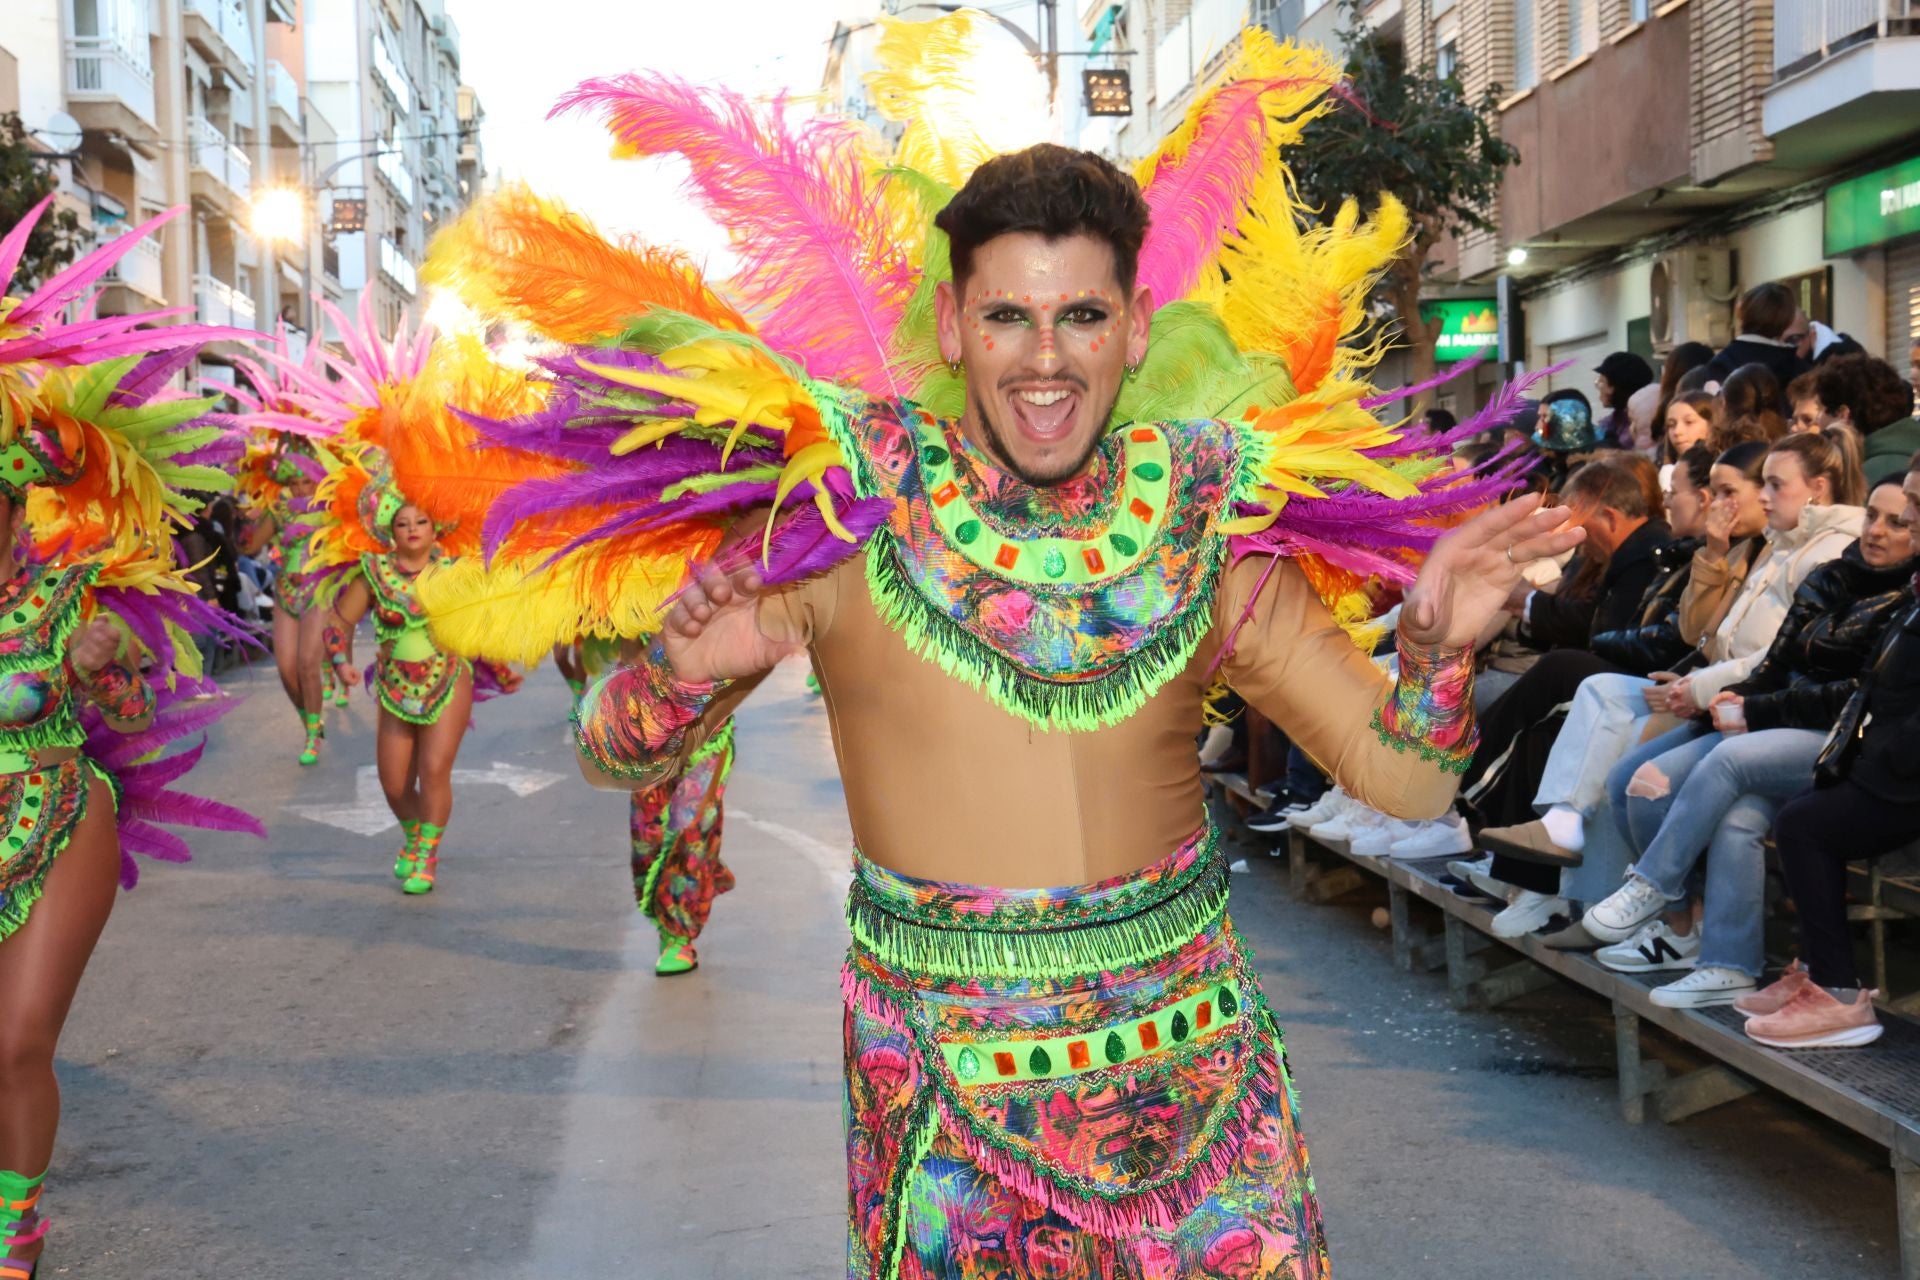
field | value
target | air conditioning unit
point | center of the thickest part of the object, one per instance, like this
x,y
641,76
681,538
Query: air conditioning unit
x,y
1691,295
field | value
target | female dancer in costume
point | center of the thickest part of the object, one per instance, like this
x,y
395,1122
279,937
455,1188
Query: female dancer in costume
x,y
425,695
298,650
84,411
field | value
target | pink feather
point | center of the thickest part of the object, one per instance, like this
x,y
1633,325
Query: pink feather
x,y
817,252
1197,199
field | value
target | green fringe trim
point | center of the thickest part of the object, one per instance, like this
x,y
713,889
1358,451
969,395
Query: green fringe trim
x,y
1061,954
1449,759
1078,705
914,1148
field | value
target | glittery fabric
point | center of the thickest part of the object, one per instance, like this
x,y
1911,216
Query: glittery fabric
x,y
1083,634
677,872
1431,709
1116,1121
413,679
630,722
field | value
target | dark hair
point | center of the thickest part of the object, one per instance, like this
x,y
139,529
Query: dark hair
x,y
1697,462
1750,405
1569,394
1844,345
1833,452
1746,457
1871,391
1441,420
1627,373
1694,379
1767,310
1050,191
1684,358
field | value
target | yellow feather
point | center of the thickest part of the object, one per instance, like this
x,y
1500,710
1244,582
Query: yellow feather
x,y
943,79
513,612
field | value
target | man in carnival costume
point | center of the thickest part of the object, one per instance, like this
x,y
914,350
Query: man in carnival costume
x,y
1022,521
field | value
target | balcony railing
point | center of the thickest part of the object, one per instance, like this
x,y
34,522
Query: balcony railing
x,y
391,74
140,269
1806,32
217,302
393,167
213,154
396,267
228,18
1192,43
100,68
282,93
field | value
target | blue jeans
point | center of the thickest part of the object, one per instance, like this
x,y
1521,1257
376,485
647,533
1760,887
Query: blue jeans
x,y
1721,796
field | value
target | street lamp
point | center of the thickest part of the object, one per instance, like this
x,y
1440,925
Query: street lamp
x,y
278,215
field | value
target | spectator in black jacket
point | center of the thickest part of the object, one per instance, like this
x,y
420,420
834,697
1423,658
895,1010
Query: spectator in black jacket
x,y
1866,803
1715,796
1767,316
1616,499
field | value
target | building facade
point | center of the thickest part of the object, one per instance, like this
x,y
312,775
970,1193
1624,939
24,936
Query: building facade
x,y
142,105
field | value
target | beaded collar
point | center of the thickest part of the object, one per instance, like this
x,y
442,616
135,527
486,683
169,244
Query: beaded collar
x,y
1071,622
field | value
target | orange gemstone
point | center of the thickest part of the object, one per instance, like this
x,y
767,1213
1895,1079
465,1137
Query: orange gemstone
x,y
1143,435
1007,556
1203,1016
1149,1036
1095,562
1141,509
1003,1063
1077,1055
945,493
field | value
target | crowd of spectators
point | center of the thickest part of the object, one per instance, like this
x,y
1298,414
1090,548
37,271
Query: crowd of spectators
x,y
1730,660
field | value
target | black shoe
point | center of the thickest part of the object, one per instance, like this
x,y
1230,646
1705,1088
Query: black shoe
x,y
1273,819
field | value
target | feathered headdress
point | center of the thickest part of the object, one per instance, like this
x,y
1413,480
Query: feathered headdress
x,y
670,418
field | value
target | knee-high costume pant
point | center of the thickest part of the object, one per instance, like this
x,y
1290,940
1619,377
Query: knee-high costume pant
x,y
676,829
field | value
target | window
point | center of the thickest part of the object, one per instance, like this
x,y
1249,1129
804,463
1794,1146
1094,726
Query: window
x,y
1583,24
1446,62
1526,67
1639,10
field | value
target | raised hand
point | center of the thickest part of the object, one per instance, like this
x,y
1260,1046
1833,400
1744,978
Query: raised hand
x,y
1719,526
1471,572
713,632
93,646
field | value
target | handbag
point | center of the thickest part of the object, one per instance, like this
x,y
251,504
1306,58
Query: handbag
x,y
1842,746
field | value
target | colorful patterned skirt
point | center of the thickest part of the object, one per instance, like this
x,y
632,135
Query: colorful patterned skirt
x,y
39,809
676,826
418,692
1078,1082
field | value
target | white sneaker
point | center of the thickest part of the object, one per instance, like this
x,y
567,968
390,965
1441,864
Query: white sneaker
x,y
1526,913
1709,984
1442,838
1654,947
1619,915
1346,826
1374,841
1327,807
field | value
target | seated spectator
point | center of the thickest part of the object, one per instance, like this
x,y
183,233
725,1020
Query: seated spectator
x,y
1439,421
1870,395
1805,412
1693,418
1866,801
1594,755
1684,358
1714,796
1749,409
1565,433
1766,315
1616,499
1618,378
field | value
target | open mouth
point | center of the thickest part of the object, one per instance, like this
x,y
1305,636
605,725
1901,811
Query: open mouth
x,y
1045,414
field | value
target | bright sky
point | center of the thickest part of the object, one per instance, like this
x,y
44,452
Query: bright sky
x,y
520,57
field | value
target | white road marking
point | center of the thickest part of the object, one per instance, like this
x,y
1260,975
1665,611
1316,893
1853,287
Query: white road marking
x,y
368,815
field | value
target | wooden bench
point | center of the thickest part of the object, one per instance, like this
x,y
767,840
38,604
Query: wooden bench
x,y
1873,1091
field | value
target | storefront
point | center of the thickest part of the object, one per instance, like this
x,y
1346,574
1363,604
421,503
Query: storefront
x,y
1881,210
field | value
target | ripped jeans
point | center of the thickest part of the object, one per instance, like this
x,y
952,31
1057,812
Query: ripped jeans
x,y
1712,795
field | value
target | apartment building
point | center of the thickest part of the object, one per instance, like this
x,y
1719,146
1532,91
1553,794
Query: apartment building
x,y
1674,152
147,104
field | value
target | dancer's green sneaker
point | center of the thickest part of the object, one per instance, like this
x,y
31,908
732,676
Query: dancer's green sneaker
x,y
316,730
676,956
426,860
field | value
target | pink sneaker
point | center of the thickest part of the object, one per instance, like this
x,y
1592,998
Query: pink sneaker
x,y
1813,1019
1774,997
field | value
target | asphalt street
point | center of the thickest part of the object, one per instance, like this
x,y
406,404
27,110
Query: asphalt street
x,y
281,1068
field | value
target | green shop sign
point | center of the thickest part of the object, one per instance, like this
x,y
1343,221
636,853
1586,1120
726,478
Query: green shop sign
x,y
1873,208
1468,327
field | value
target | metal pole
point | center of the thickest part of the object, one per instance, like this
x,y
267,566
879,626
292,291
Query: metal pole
x,y
1053,52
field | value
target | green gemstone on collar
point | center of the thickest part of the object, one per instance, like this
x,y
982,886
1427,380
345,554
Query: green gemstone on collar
x,y
1229,1003
1115,1048
1180,1026
1038,1062
966,531
1055,562
1150,471
1123,544
935,456
967,1065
